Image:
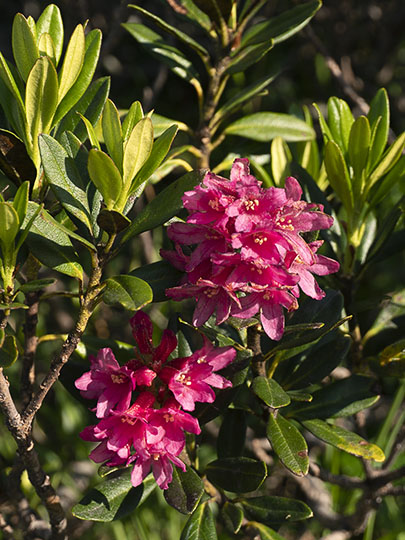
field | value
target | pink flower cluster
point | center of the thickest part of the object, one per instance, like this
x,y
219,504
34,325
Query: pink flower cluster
x,y
249,252
141,405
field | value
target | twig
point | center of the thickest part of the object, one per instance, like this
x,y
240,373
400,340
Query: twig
x,y
337,72
346,482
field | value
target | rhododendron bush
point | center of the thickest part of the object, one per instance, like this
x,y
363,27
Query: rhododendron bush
x,y
187,325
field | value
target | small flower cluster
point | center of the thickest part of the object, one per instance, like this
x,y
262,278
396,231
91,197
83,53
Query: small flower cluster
x,y
250,255
141,405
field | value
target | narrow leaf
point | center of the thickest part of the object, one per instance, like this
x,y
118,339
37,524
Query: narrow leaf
x,y
50,22
270,392
20,202
200,525
112,133
275,510
105,176
359,144
129,291
388,160
8,352
25,49
73,61
338,174
248,56
137,149
265,126
134,114
379,118
232,516
184,491
288,443
10,225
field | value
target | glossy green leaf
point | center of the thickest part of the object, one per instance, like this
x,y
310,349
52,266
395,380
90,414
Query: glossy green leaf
x,y
8,352
200,525
105,176
160,48
41,96
248,56
161,124
78,88
379,118
112,221
288,443
265,126
10,225
91,133
318,362
195,15
283,26
341,398
20,202
114,498
237,474
395,176
270,392
64,179
73,61
50,21
296,395
164,206
160,275
185,38
327,135
137,149
46,48
134,114
185,490
50,244
25,48
359,144
265,532
232,434
388,160
160,148
112,133
232,516
242,97
338,175
129,291
275,510
345,440
89,105
14,159
10,82
340,120
281,159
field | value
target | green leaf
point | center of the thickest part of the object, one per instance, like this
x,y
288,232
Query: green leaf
x,y
379,118
200,525
41,96
265,126
185,38
288,443
91,132
359,144
112,133
112,221
20,202
338,174
395,176
341,398
345,440
35,285
134,114
91,55
161,124
89,105
8,352
10,82
232,516
195,15
327,135
247,56
164,206
64,179
50,22
159,151
46,48
275,510
340,120
318,362
270,392
73,61
388,160
14,159
237,474
232,434
169,55
131,292
217,10
105,176
13,305
241,97
50,244
25,48
185,490
114,498
265,532
137,149
283,26
160,275
10,225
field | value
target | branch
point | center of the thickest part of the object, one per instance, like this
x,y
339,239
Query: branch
x,y
346,482
30,347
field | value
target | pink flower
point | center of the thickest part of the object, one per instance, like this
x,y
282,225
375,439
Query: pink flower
x,y
248,254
